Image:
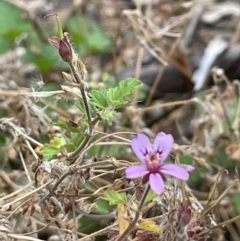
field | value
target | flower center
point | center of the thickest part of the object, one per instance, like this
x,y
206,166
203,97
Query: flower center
x,y
153,160
153,163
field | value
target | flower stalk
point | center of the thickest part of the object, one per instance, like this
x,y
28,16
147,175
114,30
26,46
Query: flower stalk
x,y
78,73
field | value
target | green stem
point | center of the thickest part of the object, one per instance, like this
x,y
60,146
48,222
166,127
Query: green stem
x,y
83,144
59,27
133,223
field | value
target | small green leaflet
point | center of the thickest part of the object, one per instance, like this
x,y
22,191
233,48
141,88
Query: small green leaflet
x,y
99,98
115,198
151,226
113,98
79,104
50,150
63,124
236,201
124,88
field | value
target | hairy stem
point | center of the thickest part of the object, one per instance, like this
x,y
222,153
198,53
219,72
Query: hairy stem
x,y
90,130
83,93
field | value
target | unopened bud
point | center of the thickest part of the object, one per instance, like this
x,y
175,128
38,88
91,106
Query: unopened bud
x,y
63,46
65,49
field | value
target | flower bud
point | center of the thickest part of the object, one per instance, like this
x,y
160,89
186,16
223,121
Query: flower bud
x,y
65,49
63,46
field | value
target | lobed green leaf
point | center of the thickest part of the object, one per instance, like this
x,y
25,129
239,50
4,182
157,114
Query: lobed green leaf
x,y
125,87
115,198
99,98
50,151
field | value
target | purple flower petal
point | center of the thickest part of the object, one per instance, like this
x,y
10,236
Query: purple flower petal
x,y
54,41
156,183
190,168
142,146
136,171
163,144
175,171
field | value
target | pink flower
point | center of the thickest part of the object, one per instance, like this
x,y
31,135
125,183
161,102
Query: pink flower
x,y
152,156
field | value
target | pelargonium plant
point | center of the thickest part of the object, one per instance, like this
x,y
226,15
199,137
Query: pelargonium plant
x,y
153,169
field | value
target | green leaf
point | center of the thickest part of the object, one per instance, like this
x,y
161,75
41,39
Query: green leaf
x,y
76,138
124,88
86,222
56,146
87,35
128,85
66,126
61,123
4,45
151,195
50,151
120,104
115,198
151,226
70,147
45,59
103,206
99,98
80,105
236,201
59,141
97,40
11,19
12,25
